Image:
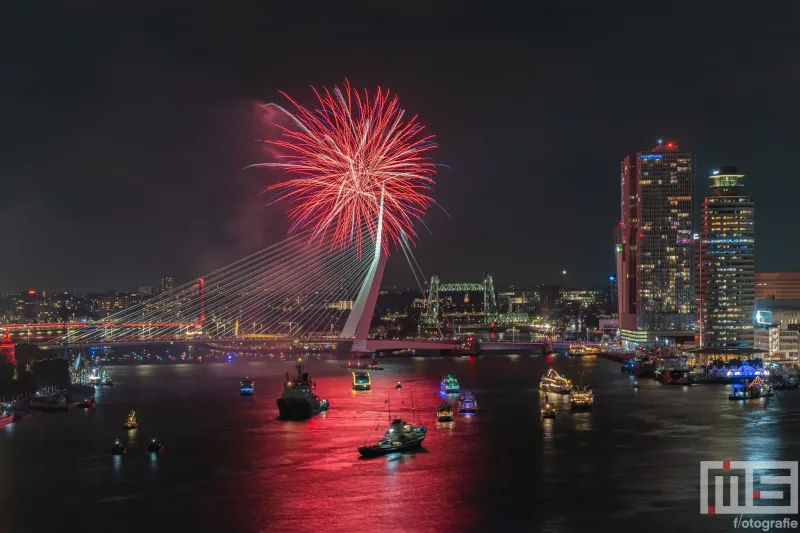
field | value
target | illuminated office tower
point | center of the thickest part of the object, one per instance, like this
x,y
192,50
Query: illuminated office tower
x,y
654,247
166,284
725,266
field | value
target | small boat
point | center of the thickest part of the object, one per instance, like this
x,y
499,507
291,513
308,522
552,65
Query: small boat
x,y
298,402
757,388
635,384
548,411
554,382
247,387
131,422
449,384
155,446
87,403
582,398
400,437
374,366
467,404
444,413
118,448
398,386
361,381
784,383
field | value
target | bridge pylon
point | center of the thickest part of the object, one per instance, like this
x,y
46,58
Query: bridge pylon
x,y
432,314
360,318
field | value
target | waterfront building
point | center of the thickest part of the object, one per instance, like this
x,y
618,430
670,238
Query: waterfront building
x,y
654,247
777,285
777,328
725,265
7,349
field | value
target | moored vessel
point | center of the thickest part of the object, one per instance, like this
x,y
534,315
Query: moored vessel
x,y
298,401
757,388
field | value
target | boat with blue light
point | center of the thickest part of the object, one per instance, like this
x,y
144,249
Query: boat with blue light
x,y
361,381
298,401
467,404
449,384
555,382
247,387
757,388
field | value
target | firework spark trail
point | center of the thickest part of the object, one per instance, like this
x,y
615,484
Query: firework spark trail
x,y
348,153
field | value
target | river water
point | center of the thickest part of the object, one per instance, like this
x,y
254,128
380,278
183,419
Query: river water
x,y
630,464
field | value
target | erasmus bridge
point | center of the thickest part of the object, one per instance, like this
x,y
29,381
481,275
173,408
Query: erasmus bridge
x,y
358,180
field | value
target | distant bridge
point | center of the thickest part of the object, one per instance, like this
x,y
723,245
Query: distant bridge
x,y
433,315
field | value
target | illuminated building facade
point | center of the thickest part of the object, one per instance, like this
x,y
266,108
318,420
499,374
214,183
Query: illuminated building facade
x,y
777,286
167,284
654,247
777,331
725,266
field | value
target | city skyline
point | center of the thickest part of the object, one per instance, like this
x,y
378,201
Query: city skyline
x,y
138,170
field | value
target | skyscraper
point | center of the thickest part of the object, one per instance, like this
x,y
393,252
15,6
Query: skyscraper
x,y
654,246
725,266
166,284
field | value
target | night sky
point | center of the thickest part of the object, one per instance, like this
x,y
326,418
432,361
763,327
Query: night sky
x,y
125,130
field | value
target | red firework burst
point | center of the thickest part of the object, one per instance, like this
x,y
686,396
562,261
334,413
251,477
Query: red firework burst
x,y
353,156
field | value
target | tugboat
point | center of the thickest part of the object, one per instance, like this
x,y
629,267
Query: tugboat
x,y
118,448
548,411
449,384
400,437
155,446
361,381
582,398
554,382
757,388
467,404
298,402
247,387
444,413
131,422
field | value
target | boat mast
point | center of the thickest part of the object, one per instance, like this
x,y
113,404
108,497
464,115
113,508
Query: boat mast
x,y
389,402
412,406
